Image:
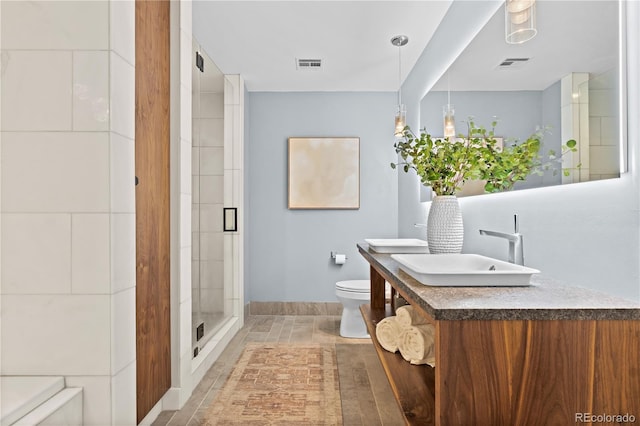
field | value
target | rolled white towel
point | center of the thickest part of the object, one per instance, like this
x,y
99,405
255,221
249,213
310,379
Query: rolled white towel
x,y
408,316
416,344
387,331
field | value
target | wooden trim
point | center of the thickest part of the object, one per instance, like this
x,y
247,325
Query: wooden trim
x,y
153,322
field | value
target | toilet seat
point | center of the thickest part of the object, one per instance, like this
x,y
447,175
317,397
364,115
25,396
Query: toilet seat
x,y
354,286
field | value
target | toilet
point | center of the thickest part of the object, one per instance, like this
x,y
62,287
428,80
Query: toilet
x,y
352,294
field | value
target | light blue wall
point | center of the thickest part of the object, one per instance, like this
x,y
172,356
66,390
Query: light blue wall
x,y
287,252
518,113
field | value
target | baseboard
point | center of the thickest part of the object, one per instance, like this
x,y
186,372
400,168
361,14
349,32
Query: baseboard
x,y
295,308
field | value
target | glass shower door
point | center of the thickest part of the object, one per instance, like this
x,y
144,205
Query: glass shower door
x,y
209,310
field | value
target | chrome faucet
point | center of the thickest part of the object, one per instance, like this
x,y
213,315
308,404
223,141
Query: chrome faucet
x,y
516,251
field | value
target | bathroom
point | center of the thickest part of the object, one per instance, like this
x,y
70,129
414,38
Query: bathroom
x,y
68,205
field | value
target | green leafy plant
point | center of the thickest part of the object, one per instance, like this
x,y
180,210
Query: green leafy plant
x,y
445,164
442,164
503,167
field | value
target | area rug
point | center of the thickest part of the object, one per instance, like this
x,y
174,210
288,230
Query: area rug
x,y
280,384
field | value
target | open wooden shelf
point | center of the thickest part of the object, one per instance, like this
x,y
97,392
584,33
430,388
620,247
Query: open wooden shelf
x,y
412,385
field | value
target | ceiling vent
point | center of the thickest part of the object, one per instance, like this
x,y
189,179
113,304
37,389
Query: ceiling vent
x,y
309,64
513,63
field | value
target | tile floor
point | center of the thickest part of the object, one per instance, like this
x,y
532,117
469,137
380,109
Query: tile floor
x,y
373,403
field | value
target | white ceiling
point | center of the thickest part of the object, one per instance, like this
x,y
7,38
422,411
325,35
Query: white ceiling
x,y
262,40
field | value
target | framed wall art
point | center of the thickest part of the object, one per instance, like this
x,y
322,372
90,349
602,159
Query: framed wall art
x,y
324,173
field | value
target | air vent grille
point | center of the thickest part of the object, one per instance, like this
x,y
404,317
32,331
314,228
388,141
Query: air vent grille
x,y
513,63
309,64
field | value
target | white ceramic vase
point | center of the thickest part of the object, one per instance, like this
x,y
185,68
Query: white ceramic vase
x,y
445,231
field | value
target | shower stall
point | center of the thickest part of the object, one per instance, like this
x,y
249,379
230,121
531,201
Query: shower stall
x,y
212,301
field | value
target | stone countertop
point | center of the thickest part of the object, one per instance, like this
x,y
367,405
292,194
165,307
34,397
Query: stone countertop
x,y
545,299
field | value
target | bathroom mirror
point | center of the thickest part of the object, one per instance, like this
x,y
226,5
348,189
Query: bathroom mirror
x,y
567,78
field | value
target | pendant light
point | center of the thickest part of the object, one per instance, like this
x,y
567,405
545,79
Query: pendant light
x,y
520,20
448,115
401,113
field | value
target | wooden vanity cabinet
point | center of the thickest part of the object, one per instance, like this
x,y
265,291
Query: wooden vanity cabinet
x,y
501,371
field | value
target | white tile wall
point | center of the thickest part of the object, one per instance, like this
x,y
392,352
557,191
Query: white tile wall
x,y
212,299
211,246
195,161
123,329
67,188
123,396
211,160
602,102
187,64
185,166
195,245
185,325
185,115
195,220
211,217
211,132
607,159
36,90
36,254
211,274
122,173
96,391
232,89
123,251
122,99
55,172
195,276
594,131
55,334
185,273
609,131
185,220
186,10
195,127
91,91
60,25
195,189
122,31
211,189
90,255
211,105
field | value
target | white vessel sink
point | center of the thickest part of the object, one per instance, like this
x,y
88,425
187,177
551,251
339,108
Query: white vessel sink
x,y
397,245
463,270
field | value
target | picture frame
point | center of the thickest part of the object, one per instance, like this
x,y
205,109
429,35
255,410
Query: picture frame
x,y
324,173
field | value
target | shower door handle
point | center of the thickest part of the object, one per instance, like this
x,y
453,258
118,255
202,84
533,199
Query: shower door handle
x,y
230,219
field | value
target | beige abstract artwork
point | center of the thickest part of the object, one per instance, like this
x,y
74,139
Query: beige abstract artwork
x,y
324,173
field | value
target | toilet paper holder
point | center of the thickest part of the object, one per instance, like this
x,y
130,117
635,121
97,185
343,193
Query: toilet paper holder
x,y
333,255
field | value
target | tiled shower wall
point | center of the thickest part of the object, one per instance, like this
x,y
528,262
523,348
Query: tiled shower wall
x,y
604,135
68,206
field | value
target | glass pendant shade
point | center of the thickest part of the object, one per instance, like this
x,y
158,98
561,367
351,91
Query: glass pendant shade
x,y
401,119
520,21
401,113
449,121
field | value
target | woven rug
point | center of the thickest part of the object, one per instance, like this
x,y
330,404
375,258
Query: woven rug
x,y
280,384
